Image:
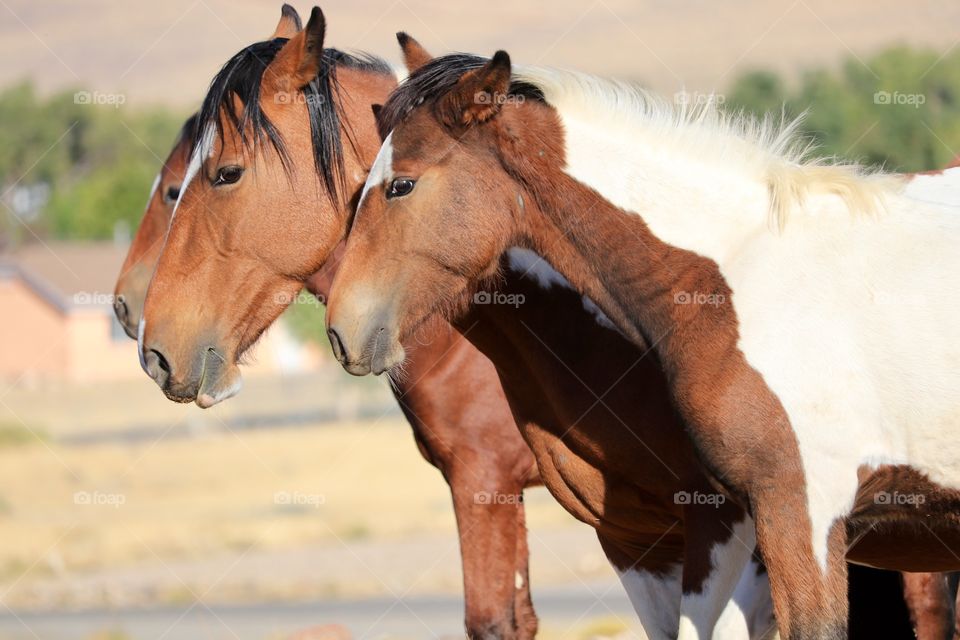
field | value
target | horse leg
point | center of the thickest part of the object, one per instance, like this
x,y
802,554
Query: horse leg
x,y
930,603
809,599
525,616
719,543
751,606
655,595
486,513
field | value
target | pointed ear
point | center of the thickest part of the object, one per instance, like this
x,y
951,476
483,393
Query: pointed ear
x,y
289,24
414,55
478,94
299,61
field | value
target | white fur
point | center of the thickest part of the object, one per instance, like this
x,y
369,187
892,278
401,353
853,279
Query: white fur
x,y
851,319
656,599
730,562
153,189
223,394
382,170
141,327
203,151
526,263
943,188
751,605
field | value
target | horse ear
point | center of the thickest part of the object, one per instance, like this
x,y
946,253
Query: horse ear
x,y
300,59
414,55
289,24
478,95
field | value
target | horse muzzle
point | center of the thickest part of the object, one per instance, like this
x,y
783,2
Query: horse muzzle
x,y
210,379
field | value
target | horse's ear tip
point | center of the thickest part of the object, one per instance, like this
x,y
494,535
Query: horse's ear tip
x,y
501,57
287,10
403,37
316,14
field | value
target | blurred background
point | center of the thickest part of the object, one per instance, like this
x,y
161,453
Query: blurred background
x,y
304,501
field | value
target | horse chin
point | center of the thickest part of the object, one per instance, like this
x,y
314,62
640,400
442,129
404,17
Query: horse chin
x,y
220,380
387,359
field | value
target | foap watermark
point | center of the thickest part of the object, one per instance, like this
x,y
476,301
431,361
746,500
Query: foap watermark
x,y
495,498
898,499
93,299
299,499
298,97
301,297
99,499
486,97
899,99
100,98
496,297
906,299
684,498
698,99
698,297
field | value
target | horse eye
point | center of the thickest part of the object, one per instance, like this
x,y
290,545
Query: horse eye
x,y
172,194
400,187
228,175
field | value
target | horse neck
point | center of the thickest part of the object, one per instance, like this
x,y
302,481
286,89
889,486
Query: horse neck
x,y
632,249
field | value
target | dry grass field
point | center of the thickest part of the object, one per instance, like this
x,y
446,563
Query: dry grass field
x,y
276,513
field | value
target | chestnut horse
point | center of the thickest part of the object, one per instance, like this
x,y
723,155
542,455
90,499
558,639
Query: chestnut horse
x,y
676,225
474,444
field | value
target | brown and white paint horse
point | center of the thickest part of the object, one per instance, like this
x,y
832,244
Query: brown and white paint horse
x,y
806,344
452,399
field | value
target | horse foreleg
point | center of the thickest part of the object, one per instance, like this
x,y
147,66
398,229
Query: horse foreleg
x,y
486,510
809,599
525,616
931,605
718,546
655,595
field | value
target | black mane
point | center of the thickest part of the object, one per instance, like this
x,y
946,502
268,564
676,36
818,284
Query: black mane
x,y
432,81
240,78
189,129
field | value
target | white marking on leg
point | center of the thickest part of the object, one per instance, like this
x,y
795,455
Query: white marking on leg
x,y
750,613
656,599
700,612
518,580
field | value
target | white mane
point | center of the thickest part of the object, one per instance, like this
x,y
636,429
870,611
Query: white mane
x,y
769,149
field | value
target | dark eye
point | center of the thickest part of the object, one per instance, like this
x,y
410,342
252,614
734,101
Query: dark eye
x,y
228,175
171,195
400,187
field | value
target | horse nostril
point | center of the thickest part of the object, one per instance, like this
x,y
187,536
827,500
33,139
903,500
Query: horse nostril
x,y
157,367
339,352
120,308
